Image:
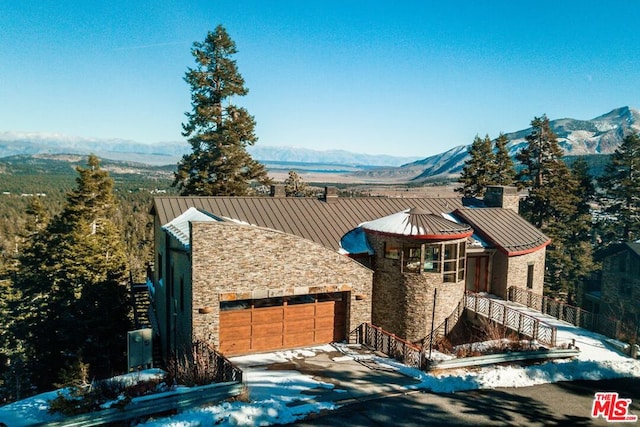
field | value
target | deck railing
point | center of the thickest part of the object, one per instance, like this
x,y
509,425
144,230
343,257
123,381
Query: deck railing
x,y
513,319
393,346
566,312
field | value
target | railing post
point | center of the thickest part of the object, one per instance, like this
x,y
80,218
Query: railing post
x,y
519,322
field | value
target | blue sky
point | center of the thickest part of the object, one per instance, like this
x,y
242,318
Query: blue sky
x,y
403,78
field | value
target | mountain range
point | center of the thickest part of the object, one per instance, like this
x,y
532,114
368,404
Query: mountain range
x,y
600,135
165,153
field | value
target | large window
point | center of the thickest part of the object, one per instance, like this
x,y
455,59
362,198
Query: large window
x,y
448,259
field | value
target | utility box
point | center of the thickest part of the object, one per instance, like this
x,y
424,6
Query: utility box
x,y
140,349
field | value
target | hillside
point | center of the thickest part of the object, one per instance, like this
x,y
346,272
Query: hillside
x,y
595,137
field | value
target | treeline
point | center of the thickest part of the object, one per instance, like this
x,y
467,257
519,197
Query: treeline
x,y
24,178
580,212
72,240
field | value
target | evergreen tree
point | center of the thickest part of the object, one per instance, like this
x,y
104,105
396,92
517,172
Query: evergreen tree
x,y
294,185
72,280
218,131
551,205
551,198
620,186
479,170
504,171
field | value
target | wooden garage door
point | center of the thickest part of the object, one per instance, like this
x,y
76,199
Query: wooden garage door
x,y
275,323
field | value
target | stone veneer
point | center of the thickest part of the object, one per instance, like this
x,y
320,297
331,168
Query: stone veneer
x,y
403,303
512,271
231,261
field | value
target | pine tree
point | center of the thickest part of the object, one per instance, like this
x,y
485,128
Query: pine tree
x,y
479,170
620,186
218,131
72,280
294,185
504,171
551,205
551,185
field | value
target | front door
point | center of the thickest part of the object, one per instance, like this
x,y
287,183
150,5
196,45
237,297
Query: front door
x,y
477,274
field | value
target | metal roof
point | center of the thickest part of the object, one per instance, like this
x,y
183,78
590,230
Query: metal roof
x,y
418,223
324,222
505,229
179,226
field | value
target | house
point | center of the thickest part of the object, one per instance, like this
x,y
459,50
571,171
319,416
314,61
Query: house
x,y
251,274
618,290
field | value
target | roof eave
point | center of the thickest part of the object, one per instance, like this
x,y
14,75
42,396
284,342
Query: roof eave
x,y
525,251
424,236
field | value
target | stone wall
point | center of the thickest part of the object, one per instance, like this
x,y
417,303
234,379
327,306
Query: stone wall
x,y
403,303
512,271
231,261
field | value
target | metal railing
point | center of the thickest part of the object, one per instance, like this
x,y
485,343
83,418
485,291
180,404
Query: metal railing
x,y
566,312
513,319
445,327
393,346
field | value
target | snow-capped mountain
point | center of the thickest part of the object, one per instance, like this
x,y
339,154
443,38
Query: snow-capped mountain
x,y
601,135
165,153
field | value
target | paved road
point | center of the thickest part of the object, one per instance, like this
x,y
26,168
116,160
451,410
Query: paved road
x,y
564,403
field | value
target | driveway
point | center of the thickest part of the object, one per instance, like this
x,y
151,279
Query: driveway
x,y
563,403
350,370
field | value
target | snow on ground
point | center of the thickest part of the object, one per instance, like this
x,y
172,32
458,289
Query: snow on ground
x,y
277,396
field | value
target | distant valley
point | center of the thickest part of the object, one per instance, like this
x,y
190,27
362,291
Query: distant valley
x,y
598,136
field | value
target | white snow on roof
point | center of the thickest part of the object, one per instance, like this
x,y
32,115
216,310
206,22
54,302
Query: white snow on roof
x,y
179,226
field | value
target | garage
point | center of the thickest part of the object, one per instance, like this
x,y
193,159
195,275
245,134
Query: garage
x,y
248,326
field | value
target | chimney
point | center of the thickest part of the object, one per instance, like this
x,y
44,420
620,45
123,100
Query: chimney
x,y
277,191
499,196
330,194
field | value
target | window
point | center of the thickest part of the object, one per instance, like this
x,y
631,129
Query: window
x,y
462,259
412,257
450,262
530,276
431,259
391,251
235,305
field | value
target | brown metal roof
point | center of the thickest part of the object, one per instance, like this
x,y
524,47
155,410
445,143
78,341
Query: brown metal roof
x,y
310,218
504,228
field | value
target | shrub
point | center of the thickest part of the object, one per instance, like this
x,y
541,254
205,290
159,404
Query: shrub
x,y
195,366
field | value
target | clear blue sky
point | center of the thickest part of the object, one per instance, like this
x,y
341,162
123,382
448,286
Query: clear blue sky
x,y
403,78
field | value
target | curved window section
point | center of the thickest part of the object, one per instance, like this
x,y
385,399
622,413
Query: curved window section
x,y
446,258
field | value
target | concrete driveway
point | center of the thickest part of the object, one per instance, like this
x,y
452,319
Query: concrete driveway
x,y
350,369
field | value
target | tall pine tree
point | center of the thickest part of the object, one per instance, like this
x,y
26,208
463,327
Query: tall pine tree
x,y
479,170
551,205
218,131
504,171
72,280
620,186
